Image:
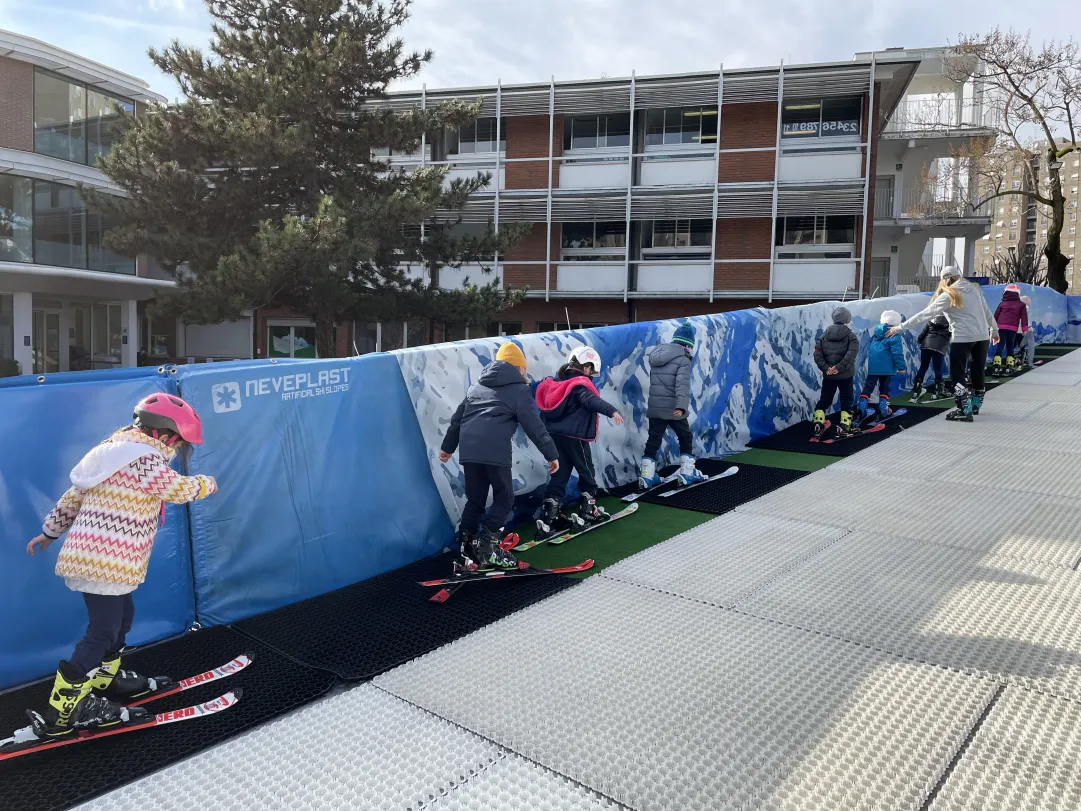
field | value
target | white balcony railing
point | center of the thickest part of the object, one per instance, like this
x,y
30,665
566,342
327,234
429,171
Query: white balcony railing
x,y
696,169
476,275
594,169
821,165
591,277
923,205
673,277
815,277
941,114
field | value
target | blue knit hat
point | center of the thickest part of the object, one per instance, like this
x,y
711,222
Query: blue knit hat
x,y
684,335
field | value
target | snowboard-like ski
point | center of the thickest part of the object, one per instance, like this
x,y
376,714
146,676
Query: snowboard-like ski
x,y
574,533
453,583
825,429
730,472
25,741
872,430
633,497
934,399
900,412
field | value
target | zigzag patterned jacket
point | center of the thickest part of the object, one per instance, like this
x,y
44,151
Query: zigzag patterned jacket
x,y
111,512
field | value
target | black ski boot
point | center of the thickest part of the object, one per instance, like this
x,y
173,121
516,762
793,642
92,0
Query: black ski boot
x,y
963,412
917,390
489,554
590,511
115,684
464,562
73,706
549,522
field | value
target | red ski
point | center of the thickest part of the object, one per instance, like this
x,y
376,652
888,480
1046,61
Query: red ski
x,y
872,430
455,582
226,670
24,741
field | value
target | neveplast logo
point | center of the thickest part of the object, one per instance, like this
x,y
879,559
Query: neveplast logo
x,y
229,397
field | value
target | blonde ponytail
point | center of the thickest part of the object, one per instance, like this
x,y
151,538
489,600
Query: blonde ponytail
x,y
956,301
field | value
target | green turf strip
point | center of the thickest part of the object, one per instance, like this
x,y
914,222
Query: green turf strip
x,y
785,459
607,545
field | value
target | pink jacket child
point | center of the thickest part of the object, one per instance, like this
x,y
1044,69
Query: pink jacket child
x,y
1012,314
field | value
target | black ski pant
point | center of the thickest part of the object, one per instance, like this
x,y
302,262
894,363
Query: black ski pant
x,y
961,355
830,387
930,358
110,620
479,479
574,454
1007,340
657,427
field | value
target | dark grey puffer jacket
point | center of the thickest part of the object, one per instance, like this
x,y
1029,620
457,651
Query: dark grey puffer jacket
x,y
669,381
485,423
838,347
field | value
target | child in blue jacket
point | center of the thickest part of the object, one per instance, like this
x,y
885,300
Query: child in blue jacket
x,y
885,359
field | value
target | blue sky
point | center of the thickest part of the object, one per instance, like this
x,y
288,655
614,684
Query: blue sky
x,y
478,41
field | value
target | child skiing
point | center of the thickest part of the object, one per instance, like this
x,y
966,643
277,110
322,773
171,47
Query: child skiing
x,y
1011,316
835,355
971,322
934,344
885,359
484,426
111,514
668,406
571,407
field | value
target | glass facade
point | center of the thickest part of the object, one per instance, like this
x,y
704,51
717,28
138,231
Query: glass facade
x,y
48,224
16,219
7,332
74,123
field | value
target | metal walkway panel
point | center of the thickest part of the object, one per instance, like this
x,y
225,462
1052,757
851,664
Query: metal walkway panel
x,y
1053,474
910,456
725,560
1015,620
517,784
1024,756
1021,390
362,749
661,702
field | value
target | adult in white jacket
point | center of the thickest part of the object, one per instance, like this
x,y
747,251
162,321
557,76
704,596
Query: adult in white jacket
x,y
971,323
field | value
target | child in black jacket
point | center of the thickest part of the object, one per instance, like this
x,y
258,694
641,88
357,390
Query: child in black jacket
x,y
934,347
571,407
835,355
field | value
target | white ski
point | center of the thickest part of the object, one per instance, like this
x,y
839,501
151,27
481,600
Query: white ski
x,y
730,472
635,496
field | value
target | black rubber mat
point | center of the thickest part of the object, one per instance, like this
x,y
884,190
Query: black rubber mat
x,y
69,775
724,495
365,629
1054,350
796,437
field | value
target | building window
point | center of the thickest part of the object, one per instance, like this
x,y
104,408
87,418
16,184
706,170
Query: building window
x,y
1013,223
987,249
556,326
65,234
681,125
502,329
1017,184
597,131
73,123
1073,229
290,340
1013,236
664,240
594,241
1073,244
476,137
7,334
16,219
386,336
821,237
822,118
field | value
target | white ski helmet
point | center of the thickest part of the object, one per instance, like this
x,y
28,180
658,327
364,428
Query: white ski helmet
x,y
586,354
891,317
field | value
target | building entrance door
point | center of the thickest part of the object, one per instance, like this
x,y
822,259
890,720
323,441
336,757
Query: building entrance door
x,y
46,341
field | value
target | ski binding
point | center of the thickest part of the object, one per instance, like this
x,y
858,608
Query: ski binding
x,y
452,584
825,428
633,497
574,533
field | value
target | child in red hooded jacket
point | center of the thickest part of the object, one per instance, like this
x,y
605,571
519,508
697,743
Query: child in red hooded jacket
x,y
1011,316
571,407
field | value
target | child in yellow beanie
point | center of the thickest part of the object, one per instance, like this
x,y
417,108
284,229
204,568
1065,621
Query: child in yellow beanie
x,y
482,431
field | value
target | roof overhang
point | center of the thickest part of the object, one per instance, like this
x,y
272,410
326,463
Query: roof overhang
x,y
20,277
77,68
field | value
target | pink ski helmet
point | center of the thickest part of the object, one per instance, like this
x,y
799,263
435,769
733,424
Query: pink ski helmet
x,y
1012,288
164,412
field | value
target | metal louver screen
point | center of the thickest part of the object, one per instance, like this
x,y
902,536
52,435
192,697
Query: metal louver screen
x,y
814,84
650,96
821,201
612,99
746,89
748,204
669,206
531,103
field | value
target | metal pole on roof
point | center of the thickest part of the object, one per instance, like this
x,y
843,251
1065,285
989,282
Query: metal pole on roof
x,y
776,171
630,188
716,185
548,216
868,208
498,134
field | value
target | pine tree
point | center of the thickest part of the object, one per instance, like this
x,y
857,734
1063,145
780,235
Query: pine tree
x,y
260,189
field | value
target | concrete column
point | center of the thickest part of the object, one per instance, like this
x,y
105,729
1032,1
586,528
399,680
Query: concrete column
x,y
181,339
129,333
970,256
65,336
23,318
